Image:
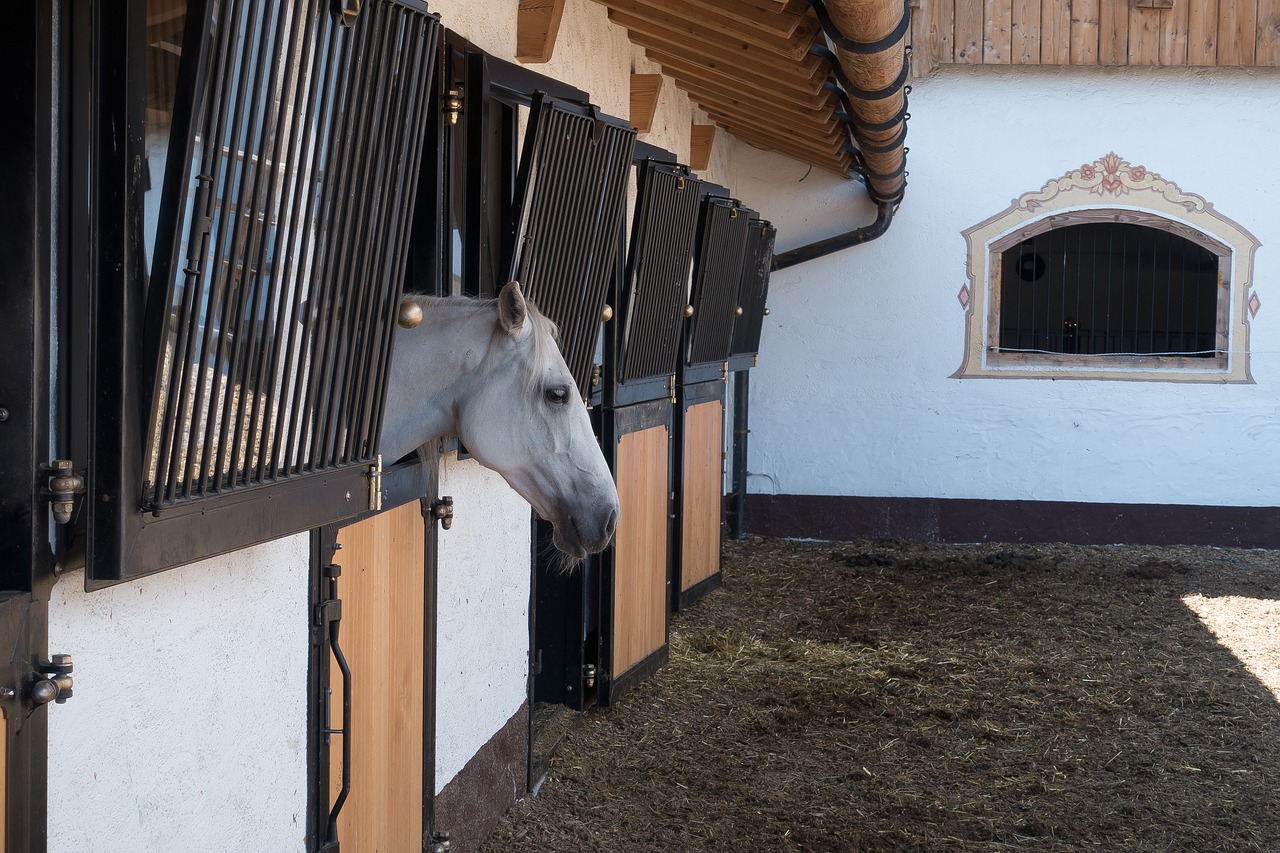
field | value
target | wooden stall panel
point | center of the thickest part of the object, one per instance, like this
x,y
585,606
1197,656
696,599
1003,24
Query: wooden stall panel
x,y
382,589
640,547
703,492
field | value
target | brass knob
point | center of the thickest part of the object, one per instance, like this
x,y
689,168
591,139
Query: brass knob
x,y
607,314
410,313
737,312
688,310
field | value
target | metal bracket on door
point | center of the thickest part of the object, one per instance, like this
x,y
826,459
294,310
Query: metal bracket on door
x,y
329,617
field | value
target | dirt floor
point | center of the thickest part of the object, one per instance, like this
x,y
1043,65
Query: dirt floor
x,y
902,696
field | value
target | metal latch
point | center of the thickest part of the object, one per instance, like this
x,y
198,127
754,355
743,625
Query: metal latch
x,y
442,511
64,484
375,484
52,681
588,675
440,842
453,105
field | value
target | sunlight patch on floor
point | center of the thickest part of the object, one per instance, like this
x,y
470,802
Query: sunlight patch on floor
x,y
1248,627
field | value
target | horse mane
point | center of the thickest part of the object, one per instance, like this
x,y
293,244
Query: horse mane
x,y
545,331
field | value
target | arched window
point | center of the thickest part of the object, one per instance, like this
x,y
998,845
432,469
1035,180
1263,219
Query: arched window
x,y
1151,288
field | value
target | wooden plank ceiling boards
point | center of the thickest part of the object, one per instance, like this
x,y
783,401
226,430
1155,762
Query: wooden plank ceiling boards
x,y
764,71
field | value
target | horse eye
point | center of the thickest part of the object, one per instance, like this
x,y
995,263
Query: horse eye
x,y
558,395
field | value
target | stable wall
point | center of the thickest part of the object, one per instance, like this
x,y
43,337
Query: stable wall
x,y
853,396
188,727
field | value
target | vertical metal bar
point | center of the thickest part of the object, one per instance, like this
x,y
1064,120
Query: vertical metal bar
x,y
235,432
303,217
267,400
741,413
221,272
179,418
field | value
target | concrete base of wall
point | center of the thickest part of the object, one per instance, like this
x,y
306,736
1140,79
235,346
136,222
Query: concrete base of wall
x,y
469,807
844,518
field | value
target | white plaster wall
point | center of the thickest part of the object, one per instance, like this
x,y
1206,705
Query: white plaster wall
x,y
852,397
187,730
482,652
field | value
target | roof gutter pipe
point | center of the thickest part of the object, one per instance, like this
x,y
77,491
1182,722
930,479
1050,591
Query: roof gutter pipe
x,y
867,43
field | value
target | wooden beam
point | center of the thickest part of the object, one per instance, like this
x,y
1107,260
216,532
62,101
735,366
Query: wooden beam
x,y
716,28
701,138
1144,36
1267,52
1237,32
645,89
1173,35
1084,32
719,48
1202,33
1113,33
997,38
703,90
730,76
1055,32
537,25
781,22
969,32
1025,32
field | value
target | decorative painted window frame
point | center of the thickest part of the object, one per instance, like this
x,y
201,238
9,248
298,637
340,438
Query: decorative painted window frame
x,y
1109,189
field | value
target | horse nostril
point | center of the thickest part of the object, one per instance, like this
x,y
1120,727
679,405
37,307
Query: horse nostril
x,y
611,525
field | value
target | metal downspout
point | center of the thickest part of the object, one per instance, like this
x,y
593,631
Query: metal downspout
x,y
866,43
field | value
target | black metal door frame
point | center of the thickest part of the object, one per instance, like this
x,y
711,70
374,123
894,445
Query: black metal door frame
x,y
29,154
414,478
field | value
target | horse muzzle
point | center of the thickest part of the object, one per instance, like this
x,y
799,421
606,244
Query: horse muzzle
x,y
580,535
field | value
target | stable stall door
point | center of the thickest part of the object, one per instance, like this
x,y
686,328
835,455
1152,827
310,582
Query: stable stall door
x,y
640,556
382,589
702,493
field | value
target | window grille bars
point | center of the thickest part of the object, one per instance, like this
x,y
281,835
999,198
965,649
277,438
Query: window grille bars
x,y
571,198
722,243
658,270
289,207
754,288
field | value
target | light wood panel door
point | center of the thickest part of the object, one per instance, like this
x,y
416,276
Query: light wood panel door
x,y
702,492
640,559
382,589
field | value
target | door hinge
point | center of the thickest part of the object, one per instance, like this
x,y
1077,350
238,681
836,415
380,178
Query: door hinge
x,y
375,484
51,681
442,511
64,484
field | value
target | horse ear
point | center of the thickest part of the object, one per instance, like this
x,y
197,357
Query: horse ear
x,y
511,308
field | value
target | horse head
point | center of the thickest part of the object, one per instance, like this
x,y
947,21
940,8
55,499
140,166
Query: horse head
x,y
492,374
526,420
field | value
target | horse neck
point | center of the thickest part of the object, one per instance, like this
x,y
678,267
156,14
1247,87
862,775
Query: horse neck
x,y
430,369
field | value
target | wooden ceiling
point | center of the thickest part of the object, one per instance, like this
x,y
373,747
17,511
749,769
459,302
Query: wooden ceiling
x,y
762,69
747,64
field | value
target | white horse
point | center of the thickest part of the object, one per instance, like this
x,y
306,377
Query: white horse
x,y
491,373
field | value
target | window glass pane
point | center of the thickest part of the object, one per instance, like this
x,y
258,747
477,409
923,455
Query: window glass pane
x,y
165,23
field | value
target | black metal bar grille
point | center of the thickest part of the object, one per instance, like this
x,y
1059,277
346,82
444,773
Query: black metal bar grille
x,y
722,243
571,197
754,288
658,270
282,270
1109,288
